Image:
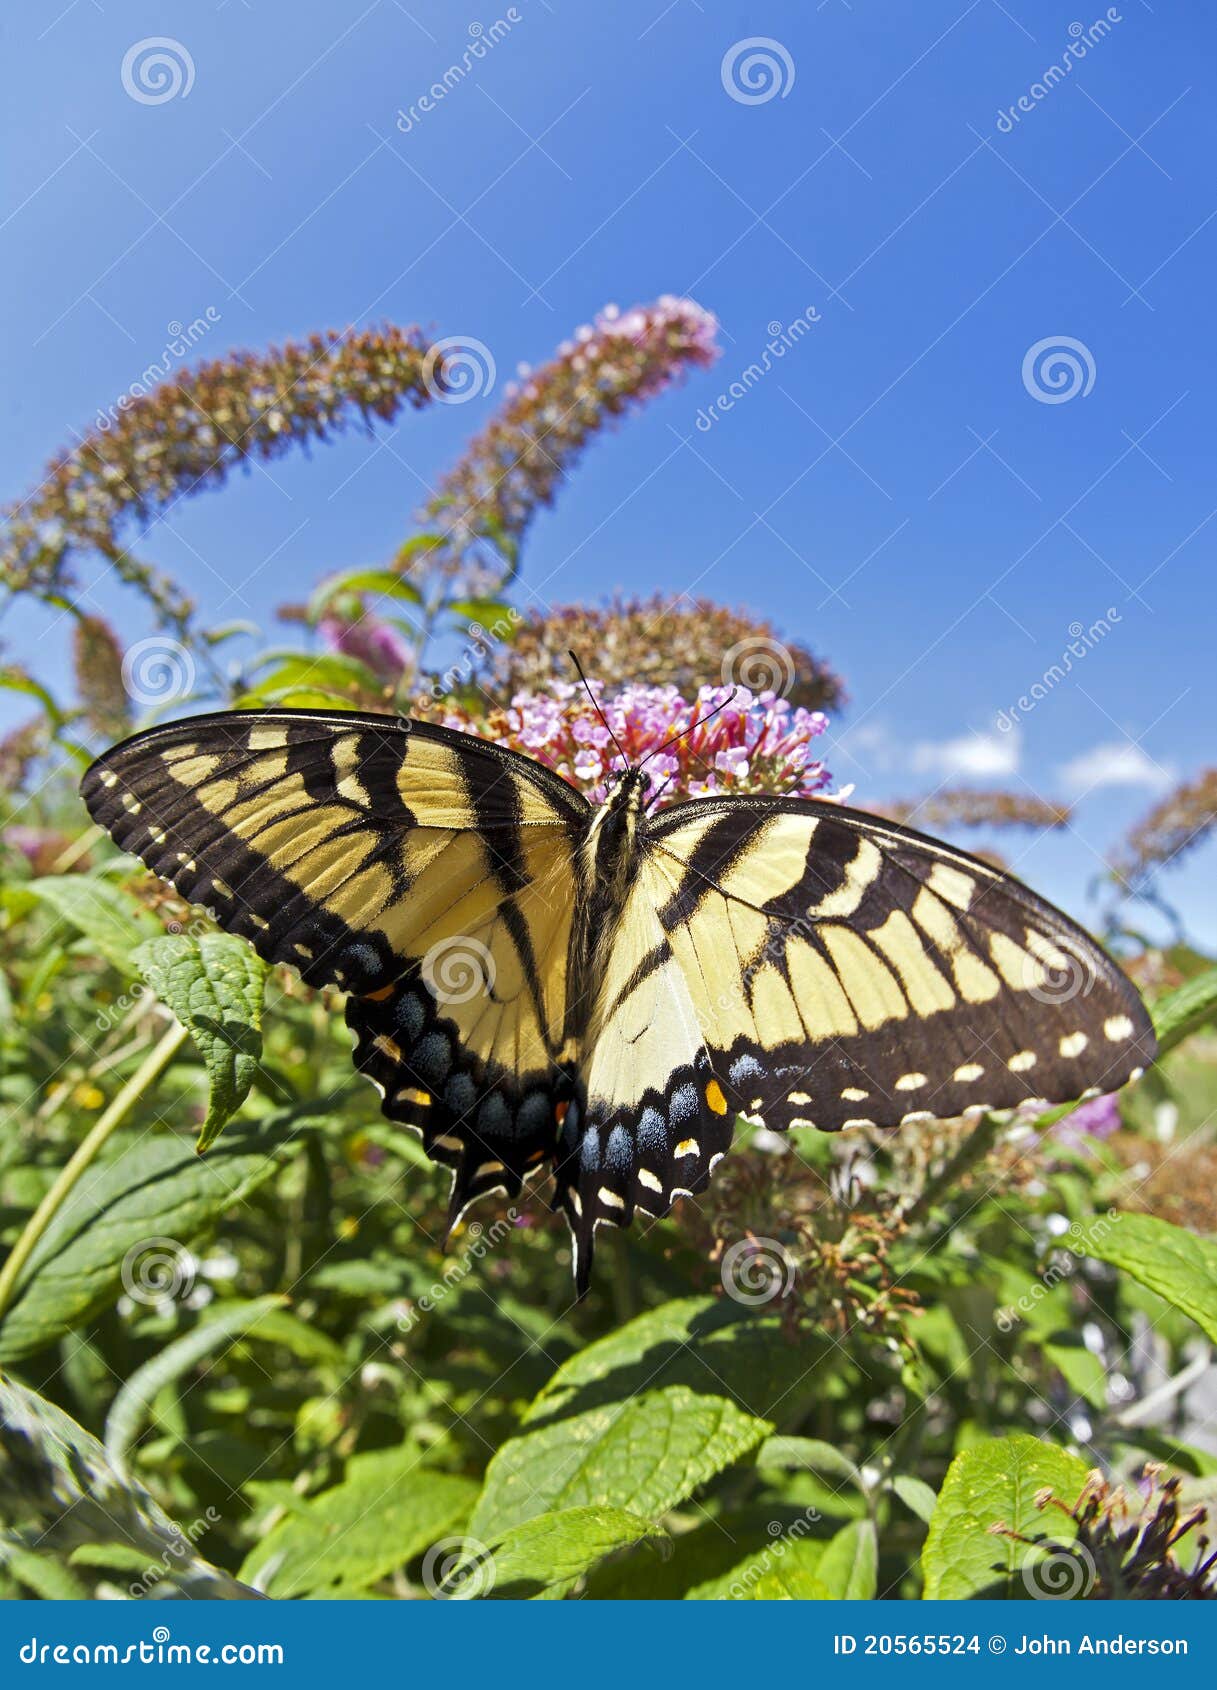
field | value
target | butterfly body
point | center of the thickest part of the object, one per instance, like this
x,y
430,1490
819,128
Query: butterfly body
x,y
537,984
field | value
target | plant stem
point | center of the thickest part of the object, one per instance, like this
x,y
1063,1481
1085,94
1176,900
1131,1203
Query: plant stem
x,y
157,1059
976,1146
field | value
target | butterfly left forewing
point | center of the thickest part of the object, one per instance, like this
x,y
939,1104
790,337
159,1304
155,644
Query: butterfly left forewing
x,y
851,972
425,872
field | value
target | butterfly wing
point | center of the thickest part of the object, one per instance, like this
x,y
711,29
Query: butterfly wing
x,y
848,971
648,1121
427,873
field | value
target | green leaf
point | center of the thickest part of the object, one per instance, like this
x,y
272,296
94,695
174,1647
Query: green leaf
x,y
109,916
708,1344
810,1455
1174,1263
494,615
387,1510
146,1201
41,1573
785,1569
549,1552
215,985
849,1566
646,1453
1184,1010
418,545
1081,1369
60,1493
130,1407
995,1483
386,582
918,1497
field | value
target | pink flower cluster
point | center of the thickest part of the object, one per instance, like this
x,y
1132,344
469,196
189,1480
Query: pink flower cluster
x,y
752,742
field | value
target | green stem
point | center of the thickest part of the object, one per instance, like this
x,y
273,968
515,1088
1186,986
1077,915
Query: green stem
x,y
973,1149
157,1059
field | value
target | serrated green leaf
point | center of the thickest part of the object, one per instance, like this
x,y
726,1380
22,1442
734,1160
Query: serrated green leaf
x,y
150,1191
215,985
1183,1011
1174,1263
783,1570
387,1510
995,1483
547,1554
106,914
810,1455
127,1412
646,1453
849,1566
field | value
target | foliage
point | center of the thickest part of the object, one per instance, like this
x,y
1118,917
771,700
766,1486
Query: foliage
x,y
872,1366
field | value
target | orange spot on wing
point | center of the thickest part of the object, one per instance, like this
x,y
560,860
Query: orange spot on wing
x,y
378,996
715,1098
560,1112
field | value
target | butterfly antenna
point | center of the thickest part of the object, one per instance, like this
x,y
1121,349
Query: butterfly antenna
x,y
596,707
689,729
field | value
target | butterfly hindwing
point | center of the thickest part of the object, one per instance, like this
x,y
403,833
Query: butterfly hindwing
x,y
427,873
848,971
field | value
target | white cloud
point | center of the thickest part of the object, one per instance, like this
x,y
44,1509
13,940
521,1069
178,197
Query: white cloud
x,y
1119,763
969,757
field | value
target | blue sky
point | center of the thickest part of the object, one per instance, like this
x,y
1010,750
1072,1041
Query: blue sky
x,y
893,492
